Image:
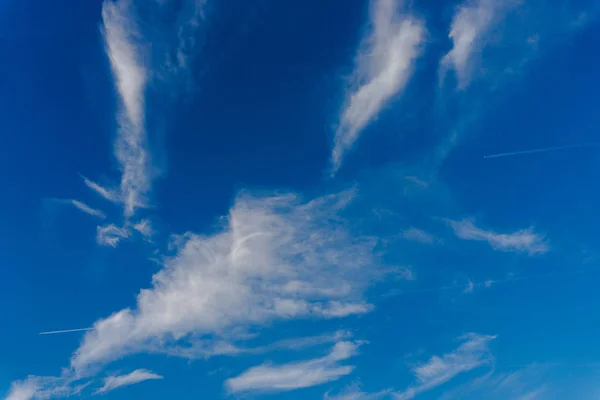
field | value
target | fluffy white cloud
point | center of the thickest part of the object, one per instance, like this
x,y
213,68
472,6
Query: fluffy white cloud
x,y
116,381
384,65
126,54
111,235
522,241
275,258
470,26
295,375
471,354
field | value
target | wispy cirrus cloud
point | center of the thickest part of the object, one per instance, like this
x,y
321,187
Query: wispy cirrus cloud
x,y
470,26
419,235
295,375
111,235
107,193
472,353
87,209
44,387
527,383
113,382
354,392
144,227
521,241
126,52
81,206
383,66
276,258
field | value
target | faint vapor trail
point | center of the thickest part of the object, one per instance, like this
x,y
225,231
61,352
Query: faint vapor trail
x,y
66,331
518,153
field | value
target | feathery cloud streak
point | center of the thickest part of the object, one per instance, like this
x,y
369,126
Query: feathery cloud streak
x,y
529,383
125,51
116,381
87,209
81,206
473,353
295,375
522,241
276,258
354,392
107,194
384,65
43,387
111,235
419,235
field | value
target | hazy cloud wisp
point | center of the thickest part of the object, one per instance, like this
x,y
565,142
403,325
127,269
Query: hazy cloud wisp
x,y
383,66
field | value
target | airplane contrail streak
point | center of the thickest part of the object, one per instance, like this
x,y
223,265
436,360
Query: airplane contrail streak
x,y
542,150
66,331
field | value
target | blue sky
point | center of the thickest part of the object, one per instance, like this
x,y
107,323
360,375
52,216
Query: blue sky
x,y
266,199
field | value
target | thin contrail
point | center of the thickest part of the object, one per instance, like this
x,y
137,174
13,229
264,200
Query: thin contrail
x,y
518,153
66,331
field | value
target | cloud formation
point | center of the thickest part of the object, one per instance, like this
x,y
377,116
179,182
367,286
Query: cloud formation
x,y
126,54
472,353
384,65
471,23
116,381
111,235
275,258
81,206
144,227
295,375
528,383
522,241
354,392
419,235
108,194
44,387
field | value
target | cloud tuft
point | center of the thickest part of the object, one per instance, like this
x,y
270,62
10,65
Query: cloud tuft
x,y
276,258
295,375
384,65
522,241
116,381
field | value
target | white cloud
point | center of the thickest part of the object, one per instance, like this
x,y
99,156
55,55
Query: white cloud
x,y
295,375
384,65
253,271
82,207
43,388
109,194
116,381
196,348
419,235
111,235
471,354
522,241
126,54
527,383
470,26
354,392
469,288
23,390
144,227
